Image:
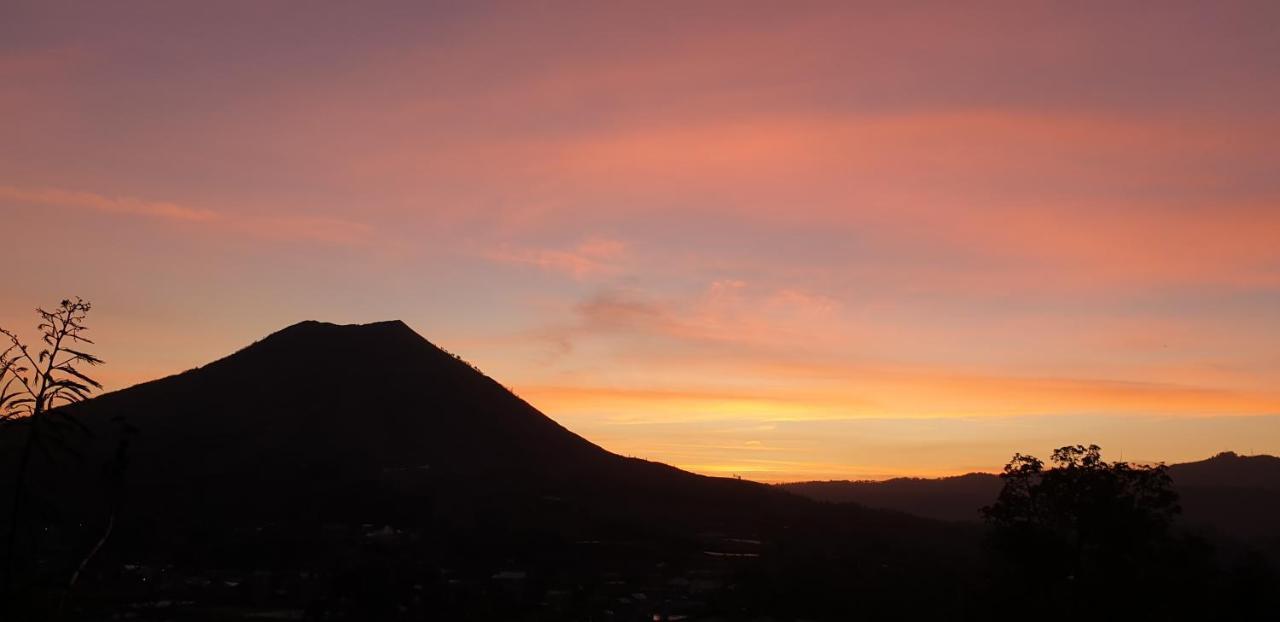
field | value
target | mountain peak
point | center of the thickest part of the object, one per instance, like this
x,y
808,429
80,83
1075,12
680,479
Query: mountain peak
x,y
368,396
312,326
317,334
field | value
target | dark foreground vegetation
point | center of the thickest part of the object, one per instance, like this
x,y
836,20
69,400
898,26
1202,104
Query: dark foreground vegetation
x,y
360,473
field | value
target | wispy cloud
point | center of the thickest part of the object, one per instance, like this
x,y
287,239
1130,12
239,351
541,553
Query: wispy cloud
x,y
596,256
724,311
287,227
56,197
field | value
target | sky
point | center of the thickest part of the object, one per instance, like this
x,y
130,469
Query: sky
x,y
782,240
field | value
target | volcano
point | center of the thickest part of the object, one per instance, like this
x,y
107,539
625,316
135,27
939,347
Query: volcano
x,y
372,423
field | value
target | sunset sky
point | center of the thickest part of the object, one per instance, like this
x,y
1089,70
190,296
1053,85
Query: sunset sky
x,y
783,240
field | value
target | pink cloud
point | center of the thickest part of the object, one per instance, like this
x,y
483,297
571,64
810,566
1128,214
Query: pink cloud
x,y
287,227
726,313
591,257
55,197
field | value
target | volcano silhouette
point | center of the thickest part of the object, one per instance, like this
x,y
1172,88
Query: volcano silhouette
x,y
374,423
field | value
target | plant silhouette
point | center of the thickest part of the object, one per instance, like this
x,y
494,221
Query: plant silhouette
x,y
32,388
1086,532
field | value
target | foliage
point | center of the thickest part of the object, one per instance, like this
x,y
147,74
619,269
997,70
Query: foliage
x,y
1084,499
1087,531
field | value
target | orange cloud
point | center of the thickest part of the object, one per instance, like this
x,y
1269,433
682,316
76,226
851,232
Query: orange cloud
x,y
832,392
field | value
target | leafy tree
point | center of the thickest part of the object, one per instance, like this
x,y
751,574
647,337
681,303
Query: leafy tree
x,y
32,388
1085,499
1085,531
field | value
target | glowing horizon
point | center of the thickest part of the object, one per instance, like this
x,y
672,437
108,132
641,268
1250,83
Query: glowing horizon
x,y
817,240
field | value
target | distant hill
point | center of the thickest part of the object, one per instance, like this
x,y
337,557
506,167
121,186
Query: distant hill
x,y
949,498
1230,469
1238,495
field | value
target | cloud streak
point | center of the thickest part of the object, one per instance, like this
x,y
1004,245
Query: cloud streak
x,y
302,228
55,197
593,257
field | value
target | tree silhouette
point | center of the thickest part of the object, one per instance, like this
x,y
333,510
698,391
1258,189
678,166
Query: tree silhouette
x,y
1085,531
32,387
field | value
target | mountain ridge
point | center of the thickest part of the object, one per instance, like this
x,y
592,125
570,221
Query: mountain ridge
x,y
1235,493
